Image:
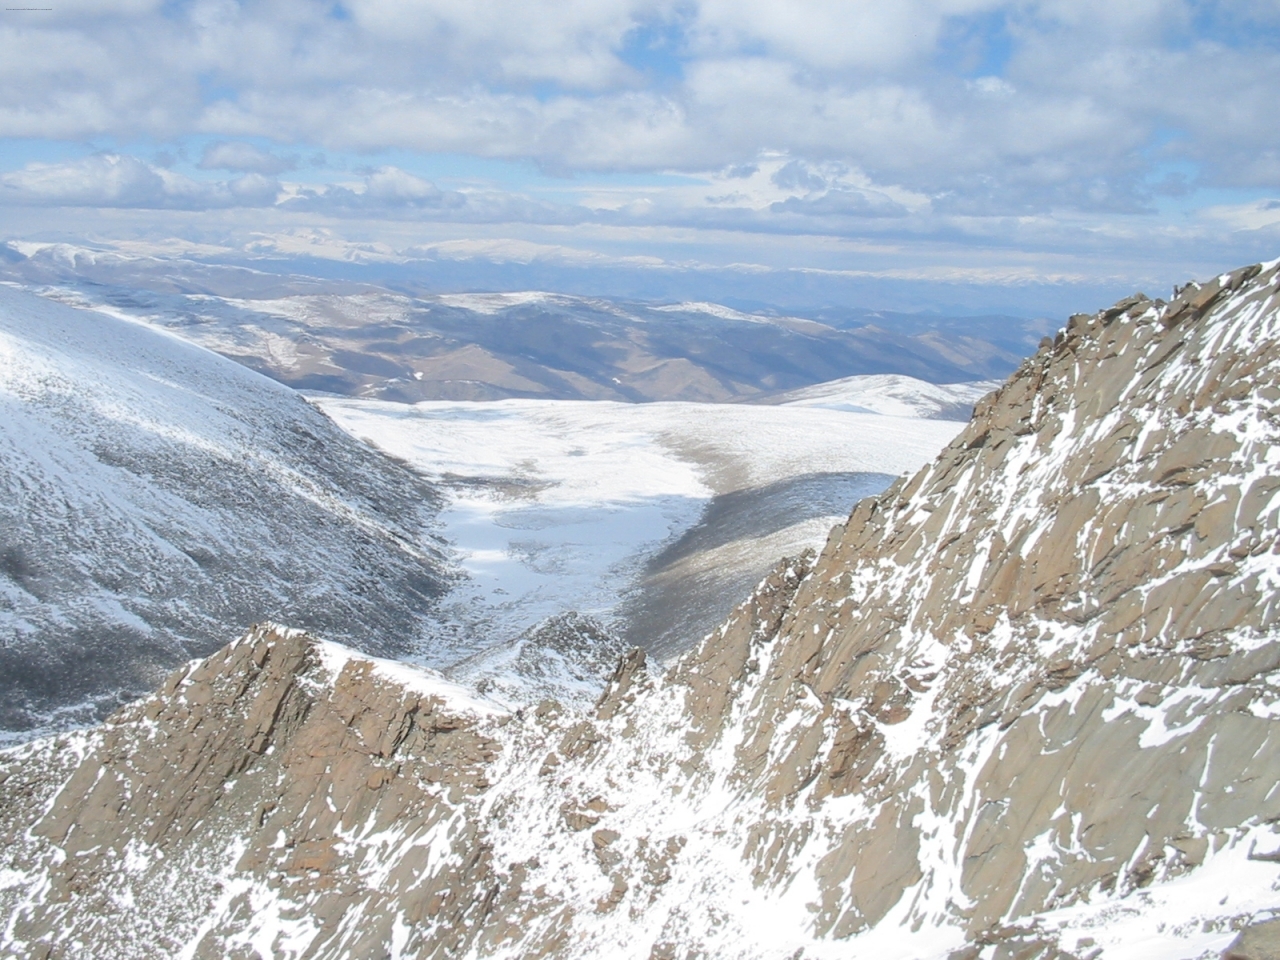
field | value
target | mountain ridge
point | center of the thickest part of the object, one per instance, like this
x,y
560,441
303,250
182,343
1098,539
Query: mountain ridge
x,y
1023,704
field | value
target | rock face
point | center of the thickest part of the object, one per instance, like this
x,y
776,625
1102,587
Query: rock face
x,y
244,782
1257,942
1023,704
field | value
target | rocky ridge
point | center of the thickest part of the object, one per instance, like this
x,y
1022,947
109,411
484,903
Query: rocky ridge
x,y
1023,704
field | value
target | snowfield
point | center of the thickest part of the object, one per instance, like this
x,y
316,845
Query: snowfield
x,y
563,505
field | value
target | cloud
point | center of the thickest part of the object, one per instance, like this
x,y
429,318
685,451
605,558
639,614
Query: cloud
x,y
394,193
509,250
796,175
992,87
1076,127
385,190
841,203
869,83
111,180
243,157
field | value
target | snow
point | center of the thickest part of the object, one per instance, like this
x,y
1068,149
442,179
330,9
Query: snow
x,y
494,303
892,395
1179,918
556,505
719,311
414,679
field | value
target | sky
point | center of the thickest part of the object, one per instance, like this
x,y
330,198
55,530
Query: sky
x,y
1035,157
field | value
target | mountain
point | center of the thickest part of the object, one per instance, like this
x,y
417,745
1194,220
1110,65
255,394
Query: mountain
x,y
890,395
1024,703
155,495
408,345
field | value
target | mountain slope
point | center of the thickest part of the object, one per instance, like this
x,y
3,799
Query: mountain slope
x,y
155,495
1025,703
891,395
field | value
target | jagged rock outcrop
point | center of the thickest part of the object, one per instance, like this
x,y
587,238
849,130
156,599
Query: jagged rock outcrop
x,y
192,818
1023,704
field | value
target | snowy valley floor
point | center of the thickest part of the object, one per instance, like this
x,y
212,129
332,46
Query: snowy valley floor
x,y
656,518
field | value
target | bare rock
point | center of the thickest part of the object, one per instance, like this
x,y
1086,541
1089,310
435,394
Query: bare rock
x,y
1260,941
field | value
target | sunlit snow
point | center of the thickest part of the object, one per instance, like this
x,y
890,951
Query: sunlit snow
x,y
556,505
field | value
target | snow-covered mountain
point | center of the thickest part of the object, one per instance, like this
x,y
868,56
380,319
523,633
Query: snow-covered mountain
x,y
154,495
1025,703
891,395
160,495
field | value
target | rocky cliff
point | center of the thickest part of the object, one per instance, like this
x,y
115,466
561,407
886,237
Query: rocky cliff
x,y
1023,704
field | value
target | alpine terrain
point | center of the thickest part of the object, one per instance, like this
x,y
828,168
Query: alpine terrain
x,y
1024,703
154,494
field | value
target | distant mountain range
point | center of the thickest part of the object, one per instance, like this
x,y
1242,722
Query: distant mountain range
x,y
363,340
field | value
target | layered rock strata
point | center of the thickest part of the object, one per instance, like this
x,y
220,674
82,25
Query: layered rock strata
x,y
1023,704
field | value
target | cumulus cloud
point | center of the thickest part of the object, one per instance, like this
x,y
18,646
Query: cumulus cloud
x,y
245,158
111,180
1044,122
385,190
872,83
841,203
796,174
392,193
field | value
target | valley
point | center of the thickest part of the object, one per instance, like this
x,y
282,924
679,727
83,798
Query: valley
x,y
653,519
159,495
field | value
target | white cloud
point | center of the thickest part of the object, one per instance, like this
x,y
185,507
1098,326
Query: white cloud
x,y
110,180
992,87
243,157
841,202
861,81
1048,123
857,34
394,193
508,250
1261,215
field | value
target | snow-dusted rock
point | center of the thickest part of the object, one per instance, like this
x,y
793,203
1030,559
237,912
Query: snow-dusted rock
x,y
1025,703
